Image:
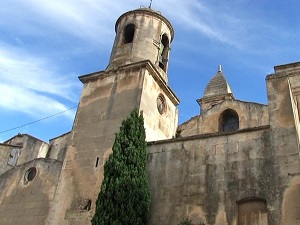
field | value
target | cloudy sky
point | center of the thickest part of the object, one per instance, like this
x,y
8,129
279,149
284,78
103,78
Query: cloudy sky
x,y
45,45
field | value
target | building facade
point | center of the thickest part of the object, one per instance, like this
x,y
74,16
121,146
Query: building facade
x,y
235,163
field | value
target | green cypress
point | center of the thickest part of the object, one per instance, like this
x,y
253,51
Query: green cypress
x,y
124,198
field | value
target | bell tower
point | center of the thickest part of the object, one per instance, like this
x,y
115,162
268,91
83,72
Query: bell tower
x,y
142,34
143,38
135,77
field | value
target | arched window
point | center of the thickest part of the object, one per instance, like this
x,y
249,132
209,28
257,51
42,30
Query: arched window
x,y
252,211
229,121
163,52
161,103
128,33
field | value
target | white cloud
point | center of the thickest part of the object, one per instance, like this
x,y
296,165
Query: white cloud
x,y
19,68
26,101
31,85
93,20
89,20
232,25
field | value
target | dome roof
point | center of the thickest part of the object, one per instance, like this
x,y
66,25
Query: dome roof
x,y
218,85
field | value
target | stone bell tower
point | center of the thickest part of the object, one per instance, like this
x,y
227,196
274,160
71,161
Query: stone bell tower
x,y
135,77
142,34
142,42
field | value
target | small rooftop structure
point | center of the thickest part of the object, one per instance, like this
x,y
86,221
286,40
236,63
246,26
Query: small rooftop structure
x,y
216,91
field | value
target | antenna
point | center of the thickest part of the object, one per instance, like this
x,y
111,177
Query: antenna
x,y
150,4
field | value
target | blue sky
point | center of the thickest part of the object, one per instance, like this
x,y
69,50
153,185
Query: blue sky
x,y
46,45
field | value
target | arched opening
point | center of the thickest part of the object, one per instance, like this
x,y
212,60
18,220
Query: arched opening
x,y
128,33
30,175
229,121
161,104
252,211
164,52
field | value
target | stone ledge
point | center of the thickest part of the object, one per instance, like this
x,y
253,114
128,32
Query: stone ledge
x,y
208,135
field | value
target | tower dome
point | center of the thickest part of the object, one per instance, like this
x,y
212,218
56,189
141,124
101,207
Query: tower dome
x,y
216,91
218,85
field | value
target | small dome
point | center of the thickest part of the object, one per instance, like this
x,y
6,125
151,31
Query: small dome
x,y
217,86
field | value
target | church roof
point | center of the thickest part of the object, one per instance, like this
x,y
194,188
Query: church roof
x,y
218,85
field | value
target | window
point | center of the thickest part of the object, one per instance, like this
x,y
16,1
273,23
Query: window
x,y
161,103
128,33
13,157
30,174
97,162
163,52
229,121
252,211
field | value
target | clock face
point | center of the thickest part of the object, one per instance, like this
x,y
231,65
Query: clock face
x,y
161,104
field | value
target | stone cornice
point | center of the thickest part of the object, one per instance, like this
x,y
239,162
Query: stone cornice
x,y
146,64
215,97
209,135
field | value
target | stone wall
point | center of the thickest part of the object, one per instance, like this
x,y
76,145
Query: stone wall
x,y
5,152
250,115
204,177
20,149
27,192
158,125
58,147
107,98
284,136
32,147
216,177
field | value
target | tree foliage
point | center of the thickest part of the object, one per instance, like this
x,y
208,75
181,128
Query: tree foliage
x,y
187,221
124,198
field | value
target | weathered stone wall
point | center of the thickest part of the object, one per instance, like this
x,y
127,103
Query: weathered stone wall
x,y
294,87
58,147
284,138
32,147
106,100
108,97
206,176
5,151
203,177
26,202
250,115
158,125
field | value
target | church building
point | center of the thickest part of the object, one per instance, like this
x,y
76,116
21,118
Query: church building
x,y
236,163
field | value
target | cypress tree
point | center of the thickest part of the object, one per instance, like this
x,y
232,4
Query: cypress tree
x,y
124,198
